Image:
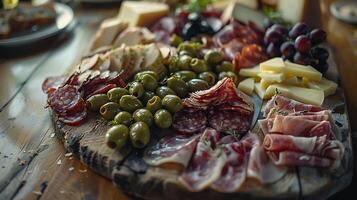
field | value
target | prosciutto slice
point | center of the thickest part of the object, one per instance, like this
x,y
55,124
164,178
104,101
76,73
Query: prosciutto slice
x,y
177,149
283,105
223,92
233,173
304,151
260,167
206,163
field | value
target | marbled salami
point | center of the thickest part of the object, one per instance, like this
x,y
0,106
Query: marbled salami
x,y
189,121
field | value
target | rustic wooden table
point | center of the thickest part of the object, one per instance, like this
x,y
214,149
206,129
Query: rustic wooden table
x,y
34,164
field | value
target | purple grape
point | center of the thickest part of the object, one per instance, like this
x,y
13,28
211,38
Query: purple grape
x,y
299,29
280,29
317,36
267,23
288,49
301,58
322,67
320,54
273,51
273,37
303,44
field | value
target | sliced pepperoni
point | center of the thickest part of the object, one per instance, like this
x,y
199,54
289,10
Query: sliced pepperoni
x,y
189,121
64,99
52,83
229,121
75,119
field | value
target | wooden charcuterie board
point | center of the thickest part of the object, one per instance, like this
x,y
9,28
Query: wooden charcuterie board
x,y
129,172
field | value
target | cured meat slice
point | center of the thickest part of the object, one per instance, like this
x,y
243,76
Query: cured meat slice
x,y
233,173
101,89
260,167
229,121
309,146
206,163
177,149
250,56
74,119
189,121
283,105
64,99
223,92
291,158
53,83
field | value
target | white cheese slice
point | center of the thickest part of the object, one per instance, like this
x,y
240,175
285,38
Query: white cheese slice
x,y
292,10
142,13
250,72
274,64
293,69
272,77
329,87
259,90
247,86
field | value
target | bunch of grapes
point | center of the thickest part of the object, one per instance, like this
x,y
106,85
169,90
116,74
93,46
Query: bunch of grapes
x,y
298,44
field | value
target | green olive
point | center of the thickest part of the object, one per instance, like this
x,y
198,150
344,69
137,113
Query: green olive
x,y
96,101
139,75
178,86
109,110
117,136
143,115
136,89
186,75
228,74
173,64
115,94
123,117
186,53
172,103
197,85
139,134
175,40
163,118
213,57
187,47
130,103
149,82
154,104
163,91
146,96
209,77
184,62
224,67
198,65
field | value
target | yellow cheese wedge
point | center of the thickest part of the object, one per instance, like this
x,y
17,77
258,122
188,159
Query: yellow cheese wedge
x,y
142,13
329,87
259,90
250,72
305,95
272,77
266,83
247,86
274,64
293,69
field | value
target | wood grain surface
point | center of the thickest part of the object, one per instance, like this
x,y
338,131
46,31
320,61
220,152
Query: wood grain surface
x,y
35,165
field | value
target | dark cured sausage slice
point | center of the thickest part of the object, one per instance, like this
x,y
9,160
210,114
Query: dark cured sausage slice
x,y
64,99
229,121
101,89
75,119
189,121
52,83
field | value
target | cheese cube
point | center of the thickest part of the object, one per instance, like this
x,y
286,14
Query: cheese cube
x,y
274,64
327,86
305,95
250,72
293,69
142,13
247,86
108,31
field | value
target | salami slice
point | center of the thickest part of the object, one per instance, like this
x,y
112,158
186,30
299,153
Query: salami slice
x,y
228,121
64,99
52,83
75,119
101,89
189,121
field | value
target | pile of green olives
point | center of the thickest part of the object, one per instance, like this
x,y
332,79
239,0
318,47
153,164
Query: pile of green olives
x,y
149,100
